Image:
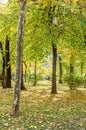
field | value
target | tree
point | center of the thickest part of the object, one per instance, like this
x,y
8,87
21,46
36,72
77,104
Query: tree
x,y
7,63
35,74
60,68
25,71
72,64
6,68
22,79
51,12
3,67
54,50
16,100
85,81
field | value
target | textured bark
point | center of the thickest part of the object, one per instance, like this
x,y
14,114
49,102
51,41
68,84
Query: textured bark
x,y
72,64
81,68
85,74
85,40
3,67
3,73
25,69
35,77
1,79
85,81
7,62
54,50
22,79
60,69
72,87
54,87
16,101
71,69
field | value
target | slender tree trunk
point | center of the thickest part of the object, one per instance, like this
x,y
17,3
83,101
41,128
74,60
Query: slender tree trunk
x,y
3,73
54,50
35,77
60,69
25,72
72,87
16,100
3,67
8,67
72,65
85,40
81,68
54,87
71,69
22,79
25,69
85,74
85,81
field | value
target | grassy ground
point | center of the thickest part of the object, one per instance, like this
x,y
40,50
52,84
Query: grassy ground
x,y
42,111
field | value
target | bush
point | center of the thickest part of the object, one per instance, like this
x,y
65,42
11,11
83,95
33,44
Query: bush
x,y
47,77
74,81
30,78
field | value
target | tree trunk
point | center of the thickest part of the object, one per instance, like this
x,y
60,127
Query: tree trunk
x,y
54,88
72,85
85,40
25,69
85,81
22,79
81,68
16,100
7,62
71,69
60,69
3,67
85,74
54,48
72,65
35,77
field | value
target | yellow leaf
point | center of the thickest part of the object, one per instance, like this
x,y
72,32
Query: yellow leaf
x,y
31,126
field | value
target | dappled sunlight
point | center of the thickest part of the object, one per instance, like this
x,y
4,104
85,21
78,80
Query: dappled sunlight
x,y
41,109
42,65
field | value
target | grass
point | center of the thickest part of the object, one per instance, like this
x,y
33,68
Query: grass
x,y
42,111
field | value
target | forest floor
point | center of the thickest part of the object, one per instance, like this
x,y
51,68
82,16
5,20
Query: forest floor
x,y
40,110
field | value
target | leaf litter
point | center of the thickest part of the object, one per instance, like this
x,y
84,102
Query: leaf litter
x,y
40,110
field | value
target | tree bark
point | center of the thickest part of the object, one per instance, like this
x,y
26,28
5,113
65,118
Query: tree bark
x,y
85,40
7,62
3,67
72,65
25,69
60,69
54,87
85,81
22,79
35,76
71,69
16,100
81,68
54,50
72,87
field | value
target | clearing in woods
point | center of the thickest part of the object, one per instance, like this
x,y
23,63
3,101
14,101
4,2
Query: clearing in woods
x,y
42,111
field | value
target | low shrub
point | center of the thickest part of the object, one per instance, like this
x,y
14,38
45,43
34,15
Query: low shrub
x,y
30,78
73,80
